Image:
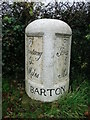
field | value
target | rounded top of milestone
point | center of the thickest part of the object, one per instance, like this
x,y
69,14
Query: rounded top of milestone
x,y
48,26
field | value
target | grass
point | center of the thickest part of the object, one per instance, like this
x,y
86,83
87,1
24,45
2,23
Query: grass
x,y
74,104
16,103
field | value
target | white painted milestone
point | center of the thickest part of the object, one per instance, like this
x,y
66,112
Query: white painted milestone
x,y
47,59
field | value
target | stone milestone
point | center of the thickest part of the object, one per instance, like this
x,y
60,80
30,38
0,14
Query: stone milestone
x,y
47,59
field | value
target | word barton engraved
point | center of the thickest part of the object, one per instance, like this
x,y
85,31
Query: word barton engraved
x,y
45,92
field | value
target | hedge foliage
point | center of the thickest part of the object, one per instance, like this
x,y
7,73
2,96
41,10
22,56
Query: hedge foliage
x,y
17,16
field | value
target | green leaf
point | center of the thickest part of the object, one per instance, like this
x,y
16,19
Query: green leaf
x,y
6,18
31,11
88,37
17,27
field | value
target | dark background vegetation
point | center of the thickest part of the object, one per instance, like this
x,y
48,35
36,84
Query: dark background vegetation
x,y
15,18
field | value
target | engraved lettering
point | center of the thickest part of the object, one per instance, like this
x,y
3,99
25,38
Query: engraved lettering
x,y
43,91
63,88
32,72
64,72
59,76
33,52
50,91
30,60
46,92
30,42
32,89
62,51
36,90
65,62
58,91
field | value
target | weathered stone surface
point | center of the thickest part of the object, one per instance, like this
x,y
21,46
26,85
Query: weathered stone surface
x,y
47,59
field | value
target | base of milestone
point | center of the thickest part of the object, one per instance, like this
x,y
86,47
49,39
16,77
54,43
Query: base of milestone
x,y
42,93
